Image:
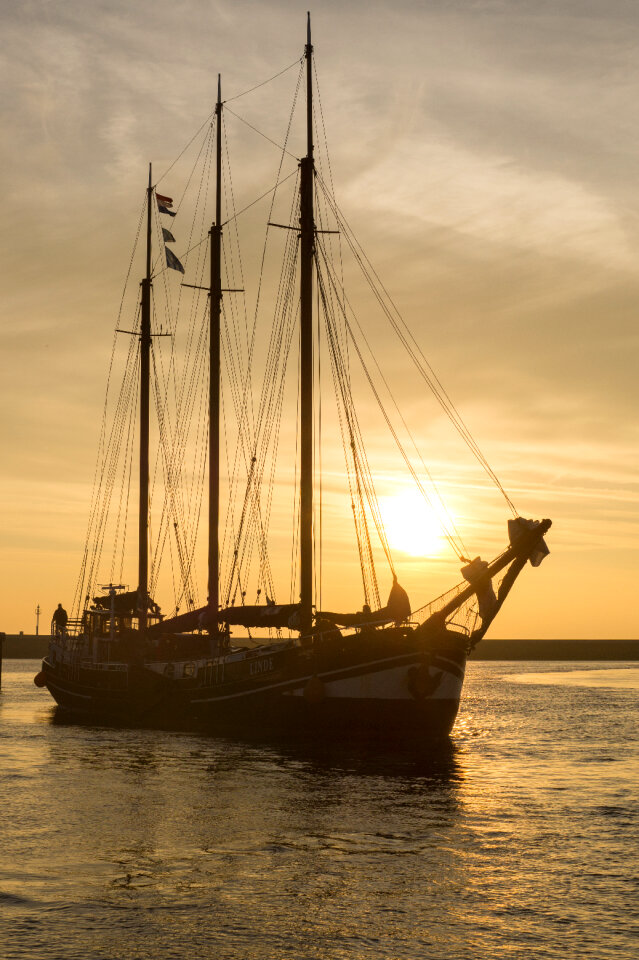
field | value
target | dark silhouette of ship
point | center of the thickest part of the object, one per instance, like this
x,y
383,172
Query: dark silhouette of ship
x,y
387,667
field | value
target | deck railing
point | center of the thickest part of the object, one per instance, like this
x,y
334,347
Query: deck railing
x,y
73,628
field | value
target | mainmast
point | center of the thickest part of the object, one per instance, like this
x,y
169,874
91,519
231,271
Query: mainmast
x,y
307,232
145,357
215,305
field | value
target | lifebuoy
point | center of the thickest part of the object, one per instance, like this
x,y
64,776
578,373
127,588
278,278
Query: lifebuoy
x,y
420,681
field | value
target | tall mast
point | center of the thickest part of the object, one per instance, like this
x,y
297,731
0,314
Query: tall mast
x,y
307,232
145,356
215,305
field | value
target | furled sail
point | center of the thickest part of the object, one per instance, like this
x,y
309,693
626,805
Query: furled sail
x,y
475,574
520,526
270,615
397,610
277,615
125,604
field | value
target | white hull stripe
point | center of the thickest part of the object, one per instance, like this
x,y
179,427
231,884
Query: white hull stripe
x,y
328,677
392,684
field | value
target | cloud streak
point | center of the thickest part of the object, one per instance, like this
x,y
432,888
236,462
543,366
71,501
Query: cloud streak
x,y
486,150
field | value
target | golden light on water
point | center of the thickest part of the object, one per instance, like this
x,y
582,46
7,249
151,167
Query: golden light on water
x,y
412,525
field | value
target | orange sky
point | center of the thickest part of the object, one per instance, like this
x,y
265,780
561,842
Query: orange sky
x,y
485,153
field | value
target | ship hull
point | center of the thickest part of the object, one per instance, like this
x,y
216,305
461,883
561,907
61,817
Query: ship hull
x,y
281,689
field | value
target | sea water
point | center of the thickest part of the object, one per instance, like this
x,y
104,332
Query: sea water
x,y
517,839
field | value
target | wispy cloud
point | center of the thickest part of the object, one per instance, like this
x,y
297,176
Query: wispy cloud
x,y
493,199
487,149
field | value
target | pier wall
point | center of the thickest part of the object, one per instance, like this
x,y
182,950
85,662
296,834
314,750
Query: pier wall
x,y
25,646
31,647
556,650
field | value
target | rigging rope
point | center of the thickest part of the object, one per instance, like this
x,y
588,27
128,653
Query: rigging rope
x,y
411,346
359,478
264,82
258,436
455,535
208,120
264,135
255,435
449,536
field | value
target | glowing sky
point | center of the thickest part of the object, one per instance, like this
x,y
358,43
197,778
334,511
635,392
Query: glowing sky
x,y
487,152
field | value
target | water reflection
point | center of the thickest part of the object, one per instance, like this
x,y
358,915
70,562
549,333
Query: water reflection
x,y
321,752
268,837
241,846
403,759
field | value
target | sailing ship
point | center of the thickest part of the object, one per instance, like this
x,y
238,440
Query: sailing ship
x,y
296,665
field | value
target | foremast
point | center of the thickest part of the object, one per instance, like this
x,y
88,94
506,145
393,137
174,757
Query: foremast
x,y
215,306
145,378
307,242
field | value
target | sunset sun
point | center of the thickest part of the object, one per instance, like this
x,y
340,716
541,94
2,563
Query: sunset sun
x,y
412,525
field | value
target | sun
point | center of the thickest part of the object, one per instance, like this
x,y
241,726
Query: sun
x,y
412,525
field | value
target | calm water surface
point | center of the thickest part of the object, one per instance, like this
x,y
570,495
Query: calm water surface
x,y
518,839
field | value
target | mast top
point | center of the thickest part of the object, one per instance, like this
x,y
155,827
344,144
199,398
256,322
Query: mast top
x,y
308,53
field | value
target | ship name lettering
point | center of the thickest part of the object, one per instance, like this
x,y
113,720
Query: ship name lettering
x,y
260,666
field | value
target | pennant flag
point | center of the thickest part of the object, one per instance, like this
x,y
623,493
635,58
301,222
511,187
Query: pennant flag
x,y
164,209
172,261
167,235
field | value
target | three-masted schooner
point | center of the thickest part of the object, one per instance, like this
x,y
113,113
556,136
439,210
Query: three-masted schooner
x,y
389,667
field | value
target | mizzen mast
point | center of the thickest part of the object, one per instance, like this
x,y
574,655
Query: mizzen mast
x,y
215,305
307,241
145,366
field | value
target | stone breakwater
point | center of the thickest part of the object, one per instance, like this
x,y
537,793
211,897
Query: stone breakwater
x,y
31,647
621,650
23,646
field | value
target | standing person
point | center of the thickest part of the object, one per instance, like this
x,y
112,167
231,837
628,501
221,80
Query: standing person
x,y
60,619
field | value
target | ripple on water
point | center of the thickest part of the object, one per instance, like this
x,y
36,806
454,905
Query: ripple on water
x,y
518,839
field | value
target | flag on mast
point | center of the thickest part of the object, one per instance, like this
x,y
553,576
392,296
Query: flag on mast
x,y
172,261
164,203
